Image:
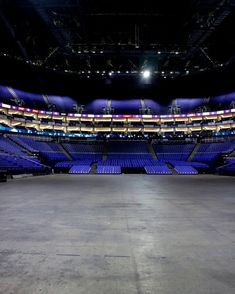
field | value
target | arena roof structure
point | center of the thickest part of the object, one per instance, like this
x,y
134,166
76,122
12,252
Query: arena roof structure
x,y
110,41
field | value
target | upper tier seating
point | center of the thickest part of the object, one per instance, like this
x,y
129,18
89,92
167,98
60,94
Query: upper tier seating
x,y
84,151
128,147
10,147
168,152
15,160
51,151
36,144
17,164
207,152
228,166
83,148
26,142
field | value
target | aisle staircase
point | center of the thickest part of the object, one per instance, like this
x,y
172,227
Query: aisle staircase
x,y
104,152
65,151
151,151
194,151
23,148
171,167
93,169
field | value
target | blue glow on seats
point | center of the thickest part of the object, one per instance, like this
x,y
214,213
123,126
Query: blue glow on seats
x,y
80,169
108,169
158,169
185,170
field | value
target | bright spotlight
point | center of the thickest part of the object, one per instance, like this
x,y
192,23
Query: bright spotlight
x,y
146,74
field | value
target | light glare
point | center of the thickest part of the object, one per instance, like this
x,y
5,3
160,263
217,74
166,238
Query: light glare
x,y
146,74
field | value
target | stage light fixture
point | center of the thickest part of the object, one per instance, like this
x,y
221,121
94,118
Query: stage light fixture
x,y
146,74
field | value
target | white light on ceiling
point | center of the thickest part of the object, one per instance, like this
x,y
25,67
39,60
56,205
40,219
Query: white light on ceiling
x,y
146,74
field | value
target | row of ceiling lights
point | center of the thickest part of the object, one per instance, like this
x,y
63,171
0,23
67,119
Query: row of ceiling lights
x,y
145,73
102,52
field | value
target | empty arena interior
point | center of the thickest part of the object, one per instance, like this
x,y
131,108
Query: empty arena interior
x,y
117,147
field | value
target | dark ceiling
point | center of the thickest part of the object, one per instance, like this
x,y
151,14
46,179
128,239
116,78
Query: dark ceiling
x,y
84,42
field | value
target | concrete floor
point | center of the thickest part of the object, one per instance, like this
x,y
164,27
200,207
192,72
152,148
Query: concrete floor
x,y
129,234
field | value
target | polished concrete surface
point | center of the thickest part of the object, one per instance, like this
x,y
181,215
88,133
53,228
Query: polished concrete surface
x,y
129,234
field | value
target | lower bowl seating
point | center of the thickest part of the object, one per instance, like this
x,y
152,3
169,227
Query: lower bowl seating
x,y
160,169
185,170
80,169
108,169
